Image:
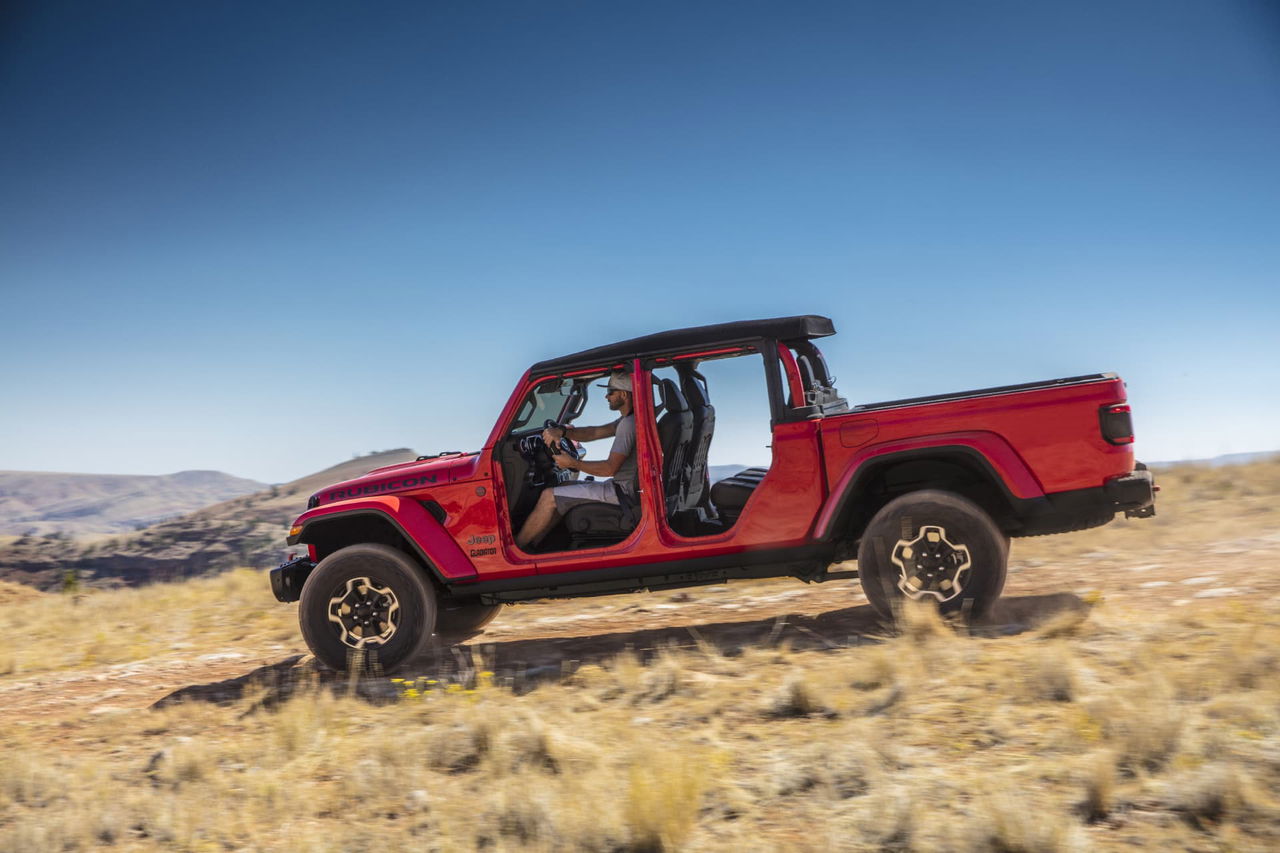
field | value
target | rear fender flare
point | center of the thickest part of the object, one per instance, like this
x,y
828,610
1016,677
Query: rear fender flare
x,y
425,535
989,451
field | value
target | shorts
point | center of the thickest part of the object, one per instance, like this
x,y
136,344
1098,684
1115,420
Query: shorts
x,y
590,491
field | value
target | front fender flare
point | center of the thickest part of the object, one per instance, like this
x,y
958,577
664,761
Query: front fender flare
x,y
420,529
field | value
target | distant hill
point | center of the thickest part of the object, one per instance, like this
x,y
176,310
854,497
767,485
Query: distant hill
x,y
42,502
1219,461
248,530
721,472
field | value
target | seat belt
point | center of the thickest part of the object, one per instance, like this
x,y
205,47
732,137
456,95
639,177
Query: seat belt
x,y
629,506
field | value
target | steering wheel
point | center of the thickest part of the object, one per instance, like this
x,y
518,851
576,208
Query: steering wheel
x,y
564,445
543,470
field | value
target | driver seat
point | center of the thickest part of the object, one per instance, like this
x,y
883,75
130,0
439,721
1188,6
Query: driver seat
x,y
595,525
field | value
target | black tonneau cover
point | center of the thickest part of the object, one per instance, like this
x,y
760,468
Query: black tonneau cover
x,y
803,327
983,392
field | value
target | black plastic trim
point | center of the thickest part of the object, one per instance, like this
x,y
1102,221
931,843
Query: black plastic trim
x,y
773,383
287,579
780,562
1133,491
437,512
1132,494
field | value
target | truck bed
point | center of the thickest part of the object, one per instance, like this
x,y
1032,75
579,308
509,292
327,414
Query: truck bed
x,y
985,392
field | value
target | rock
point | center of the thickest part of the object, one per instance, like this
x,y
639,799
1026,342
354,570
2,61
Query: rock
x,y
1220,592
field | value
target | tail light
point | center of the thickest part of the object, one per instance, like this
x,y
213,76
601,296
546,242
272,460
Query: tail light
x,y
1116,423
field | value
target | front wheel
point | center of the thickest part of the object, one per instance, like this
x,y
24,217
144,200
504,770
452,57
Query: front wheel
x,y
934,546
366,605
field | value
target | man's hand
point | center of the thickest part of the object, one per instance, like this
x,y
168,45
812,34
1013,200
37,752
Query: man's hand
x,y
552,435
563,460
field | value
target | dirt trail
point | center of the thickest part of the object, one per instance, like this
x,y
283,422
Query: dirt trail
x,y
529,642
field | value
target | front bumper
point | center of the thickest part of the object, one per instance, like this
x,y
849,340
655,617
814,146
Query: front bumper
x,y
1134,493
288,578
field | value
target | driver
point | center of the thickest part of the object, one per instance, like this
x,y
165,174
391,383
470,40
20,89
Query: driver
x,y
621,465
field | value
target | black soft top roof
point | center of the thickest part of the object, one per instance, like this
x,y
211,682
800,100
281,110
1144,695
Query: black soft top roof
x,y
779,328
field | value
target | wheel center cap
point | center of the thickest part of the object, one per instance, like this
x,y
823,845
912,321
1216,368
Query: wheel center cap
x,y
931,565
364,613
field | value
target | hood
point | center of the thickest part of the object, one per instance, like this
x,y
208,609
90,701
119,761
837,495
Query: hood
x,y
407,476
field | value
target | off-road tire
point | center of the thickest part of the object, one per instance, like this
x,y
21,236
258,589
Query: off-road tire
x,y
456,622
904,531
394,577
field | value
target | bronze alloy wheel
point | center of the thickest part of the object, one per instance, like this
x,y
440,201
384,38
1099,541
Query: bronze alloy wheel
x,y
370,606
366,611
935,546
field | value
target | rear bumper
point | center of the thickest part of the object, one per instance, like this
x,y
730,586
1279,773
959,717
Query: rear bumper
x,y
1079,509
288,578
1134,493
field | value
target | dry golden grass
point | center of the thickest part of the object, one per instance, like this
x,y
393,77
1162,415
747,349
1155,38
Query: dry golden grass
x,y
933,740
48,632
1122,726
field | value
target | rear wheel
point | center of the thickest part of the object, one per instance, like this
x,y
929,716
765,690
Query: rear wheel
x,y
933,546
366,606
457,622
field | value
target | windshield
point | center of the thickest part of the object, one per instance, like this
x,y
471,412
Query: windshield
x,y
546,401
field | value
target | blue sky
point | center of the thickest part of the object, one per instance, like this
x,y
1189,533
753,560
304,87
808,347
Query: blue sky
x,y
263,237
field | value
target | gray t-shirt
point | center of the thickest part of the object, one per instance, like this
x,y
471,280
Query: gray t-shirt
x,y
624,442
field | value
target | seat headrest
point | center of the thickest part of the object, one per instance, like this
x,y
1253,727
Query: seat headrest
x,y
693,392
672,399
807,377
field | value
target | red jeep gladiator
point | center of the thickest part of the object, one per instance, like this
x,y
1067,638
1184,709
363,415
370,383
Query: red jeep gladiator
x,y
925,492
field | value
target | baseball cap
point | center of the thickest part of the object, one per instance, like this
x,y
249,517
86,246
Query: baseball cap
x,y
618,381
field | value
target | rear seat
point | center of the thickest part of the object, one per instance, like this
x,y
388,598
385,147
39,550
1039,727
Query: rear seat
x,y
731,494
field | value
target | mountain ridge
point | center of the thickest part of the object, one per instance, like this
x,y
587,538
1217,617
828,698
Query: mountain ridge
x,y
51,502
247,530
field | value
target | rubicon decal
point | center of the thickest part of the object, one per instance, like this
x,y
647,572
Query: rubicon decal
x,y
377,488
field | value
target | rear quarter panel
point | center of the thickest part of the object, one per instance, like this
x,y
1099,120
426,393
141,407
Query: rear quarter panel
x,y
1053,432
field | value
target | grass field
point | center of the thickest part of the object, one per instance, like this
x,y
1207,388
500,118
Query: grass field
x,y
1135,721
